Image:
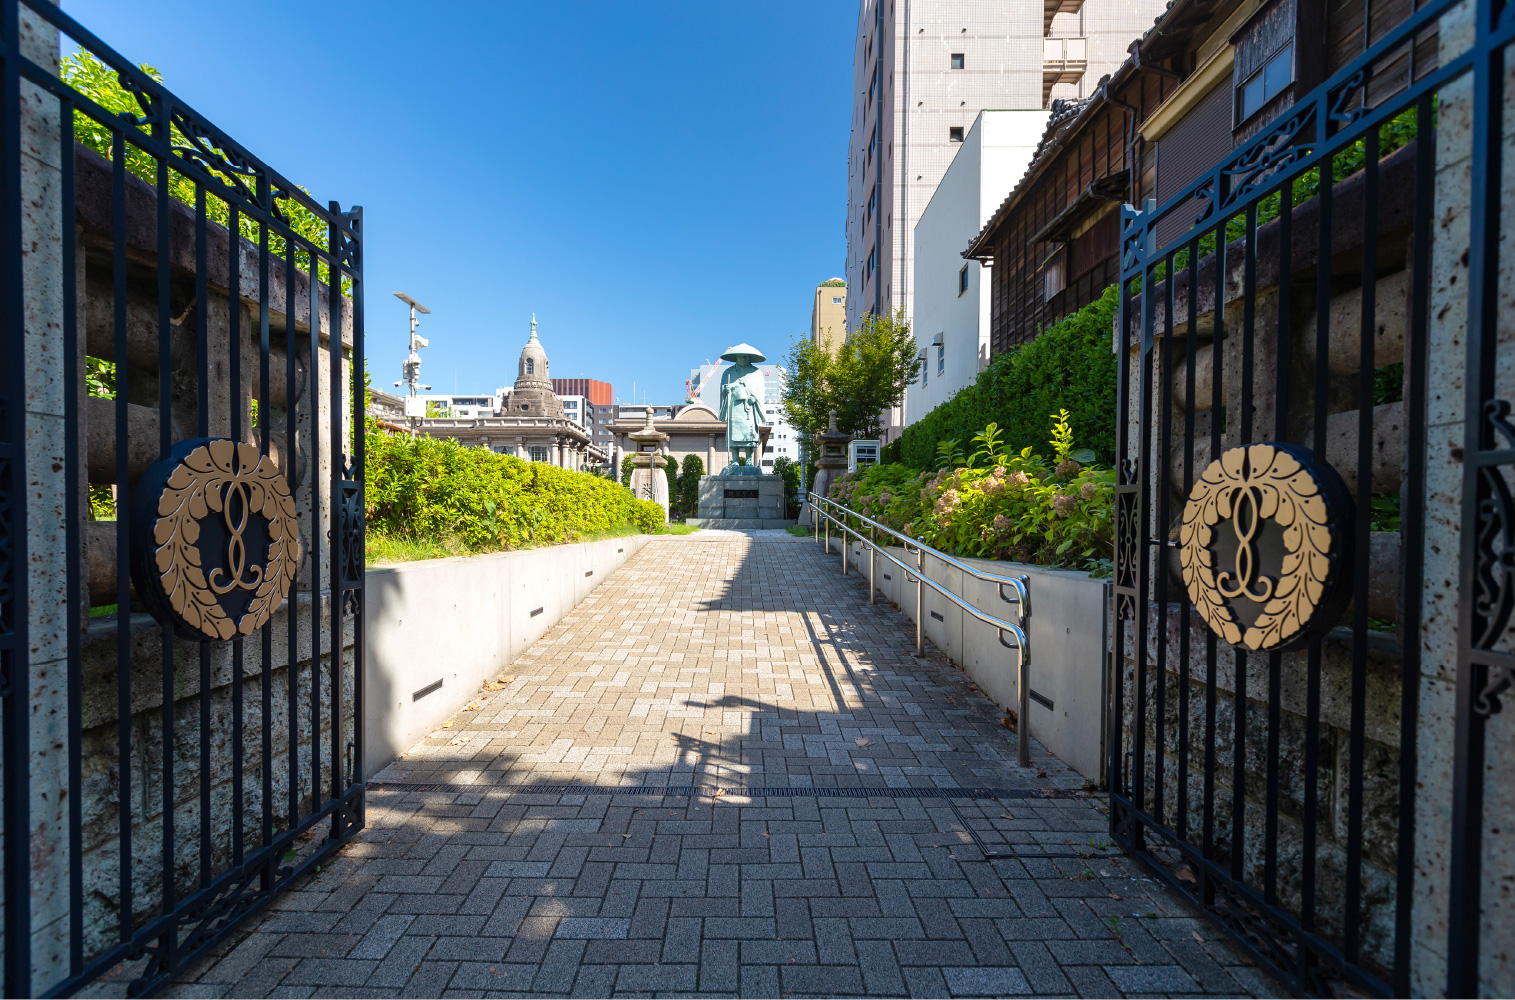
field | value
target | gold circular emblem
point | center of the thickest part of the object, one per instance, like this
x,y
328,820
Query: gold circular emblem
x,y
1264,546
216,542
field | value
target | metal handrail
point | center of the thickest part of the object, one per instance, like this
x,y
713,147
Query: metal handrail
x,y
823,508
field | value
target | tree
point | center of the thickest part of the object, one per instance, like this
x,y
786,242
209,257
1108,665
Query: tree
x,y
789,470
689,485
867,376
671,470
627,464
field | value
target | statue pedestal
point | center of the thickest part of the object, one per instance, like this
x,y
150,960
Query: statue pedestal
x,y
750,500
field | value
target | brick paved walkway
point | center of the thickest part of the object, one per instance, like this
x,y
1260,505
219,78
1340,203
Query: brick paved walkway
x,y
664,798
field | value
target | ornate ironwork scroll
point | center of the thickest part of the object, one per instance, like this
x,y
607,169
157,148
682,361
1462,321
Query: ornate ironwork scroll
x,y
1273,575
217,539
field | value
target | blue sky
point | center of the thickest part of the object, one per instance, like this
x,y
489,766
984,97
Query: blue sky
x,y
655,180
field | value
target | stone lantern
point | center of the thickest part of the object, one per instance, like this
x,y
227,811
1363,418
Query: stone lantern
x,y
648,480
831,459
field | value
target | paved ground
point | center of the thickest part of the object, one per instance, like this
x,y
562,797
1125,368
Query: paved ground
x,y
720,774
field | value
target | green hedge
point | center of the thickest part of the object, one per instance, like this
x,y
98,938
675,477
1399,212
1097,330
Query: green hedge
x,y
1069,366
428,489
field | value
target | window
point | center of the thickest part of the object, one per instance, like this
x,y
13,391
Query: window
x,y
836,300
1266,84
957,60
962,279
1056,276
531,366
941,359
925,371
955,133
538,453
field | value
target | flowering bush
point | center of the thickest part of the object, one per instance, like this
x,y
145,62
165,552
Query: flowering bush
x,y
1021,507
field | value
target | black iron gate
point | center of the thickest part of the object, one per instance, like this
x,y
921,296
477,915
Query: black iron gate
x,y
181,519
1281,359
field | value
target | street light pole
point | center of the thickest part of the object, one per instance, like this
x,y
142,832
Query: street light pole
x,y
410,368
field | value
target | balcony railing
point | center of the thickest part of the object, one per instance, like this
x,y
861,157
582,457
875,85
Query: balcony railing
x,y
1063,61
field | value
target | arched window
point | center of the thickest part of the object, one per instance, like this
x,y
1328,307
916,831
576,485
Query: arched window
x,y
531,366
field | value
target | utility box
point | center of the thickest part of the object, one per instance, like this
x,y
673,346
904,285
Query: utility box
x,y
861,454
415,406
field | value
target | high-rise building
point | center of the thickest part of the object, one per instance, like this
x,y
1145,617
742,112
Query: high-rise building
x,y
922,71
596,409
828,317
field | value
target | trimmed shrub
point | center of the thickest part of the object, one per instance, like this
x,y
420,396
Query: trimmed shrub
x,y
789,470
1070,365
689,486
428,489
647,515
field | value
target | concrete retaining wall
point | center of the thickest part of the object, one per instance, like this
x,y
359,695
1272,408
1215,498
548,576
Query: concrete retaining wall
x,y
438,629
1068,633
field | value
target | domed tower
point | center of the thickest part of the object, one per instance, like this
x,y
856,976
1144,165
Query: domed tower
x,y
533,395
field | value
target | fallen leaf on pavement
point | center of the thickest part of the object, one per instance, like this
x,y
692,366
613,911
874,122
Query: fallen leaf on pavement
x,y
863,741
1115,895
625,835
447,724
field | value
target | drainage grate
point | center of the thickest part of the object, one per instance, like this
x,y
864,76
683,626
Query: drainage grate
x,y
435,685
537,611
589,572
937,616
1041,699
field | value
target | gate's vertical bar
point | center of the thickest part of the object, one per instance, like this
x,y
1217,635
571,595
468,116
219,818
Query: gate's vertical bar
x,y
14,675
1131,222
160,132
1244,406
359,416
1464,912
1412,524
202,429
238,407
1143,532
1217,418
1186,607
315,528
1324,209
123,535
1281,359
264,437
1160,538
73,382
335,404
291,434
1365,379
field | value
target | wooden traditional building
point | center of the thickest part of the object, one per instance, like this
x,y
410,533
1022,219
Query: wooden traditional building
x,y
1208,76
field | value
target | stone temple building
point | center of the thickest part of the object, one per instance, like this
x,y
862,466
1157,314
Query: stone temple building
x,y
530,423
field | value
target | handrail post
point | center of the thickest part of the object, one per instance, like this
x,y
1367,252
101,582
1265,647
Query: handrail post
x,y
872,567
828,533
920,591
845,546
815,518
1023,682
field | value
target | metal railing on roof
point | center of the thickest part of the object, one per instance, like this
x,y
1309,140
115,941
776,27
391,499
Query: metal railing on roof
x,y
828,512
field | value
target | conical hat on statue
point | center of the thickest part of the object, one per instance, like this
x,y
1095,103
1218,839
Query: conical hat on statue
x,y
743,354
